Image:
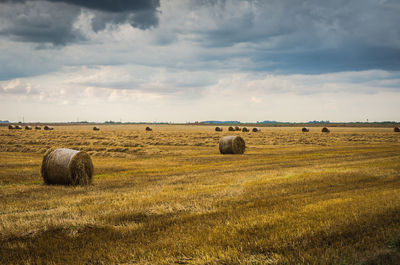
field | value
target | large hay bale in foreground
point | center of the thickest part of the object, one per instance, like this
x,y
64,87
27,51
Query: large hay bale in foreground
x,y
27,127
231,129
18,127
95,128
305,129
325,130
38,128
396,129
256,130
232,145
245,129
11,127
218,129
237,128
67,167
48,128
149,129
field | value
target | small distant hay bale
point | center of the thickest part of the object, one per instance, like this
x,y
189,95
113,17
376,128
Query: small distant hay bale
x,y
237,128
11,127
305,129
256,130
18,127
27,127
231,129
149,129
232,145
218,129
245,129
48,128
325,130
65,166
95,128
396,129
38,128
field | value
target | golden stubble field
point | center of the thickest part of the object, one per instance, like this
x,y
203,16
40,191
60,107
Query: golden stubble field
x,y
169,197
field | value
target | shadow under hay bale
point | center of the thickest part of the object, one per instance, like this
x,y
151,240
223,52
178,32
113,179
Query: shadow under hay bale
x,y
237,128
396,129
149,129
65,166
245,129
11,127
218,129
256,130
325,130
232,145
231,129
48,128
305,129
27,127
38,128
95,128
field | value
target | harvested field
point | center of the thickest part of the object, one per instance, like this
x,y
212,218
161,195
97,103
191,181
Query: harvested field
x,y
170,197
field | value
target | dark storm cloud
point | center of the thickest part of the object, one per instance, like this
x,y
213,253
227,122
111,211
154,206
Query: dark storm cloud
x,y
329,60
307,36
142,19
278,36
39,22
114,5
104,5
52,21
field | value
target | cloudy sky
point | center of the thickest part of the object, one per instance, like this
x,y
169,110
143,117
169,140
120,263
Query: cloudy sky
x,y
188,60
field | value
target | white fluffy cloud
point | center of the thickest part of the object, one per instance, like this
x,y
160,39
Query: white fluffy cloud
x,y
148,94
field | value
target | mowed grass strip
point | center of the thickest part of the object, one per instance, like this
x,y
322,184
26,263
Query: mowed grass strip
x,y
274,205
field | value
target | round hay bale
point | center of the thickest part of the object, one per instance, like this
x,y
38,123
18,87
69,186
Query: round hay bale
x,y
95,128
245,129
149,129
256,130
18,127
67,167
27,127
396,129
305,129
237,128
325,130
48,128
11,127
231,129
38,128
218,129
232,145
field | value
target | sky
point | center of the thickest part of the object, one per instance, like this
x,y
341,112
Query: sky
x,y
196,60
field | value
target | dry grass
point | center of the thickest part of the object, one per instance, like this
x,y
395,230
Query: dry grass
x,y
169,197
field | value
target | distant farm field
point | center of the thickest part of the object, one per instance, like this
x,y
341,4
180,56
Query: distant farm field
x,y
169,197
